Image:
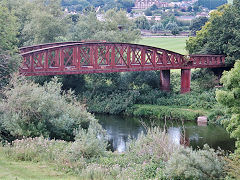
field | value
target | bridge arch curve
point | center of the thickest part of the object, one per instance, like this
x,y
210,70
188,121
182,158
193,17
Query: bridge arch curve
x,y
104,57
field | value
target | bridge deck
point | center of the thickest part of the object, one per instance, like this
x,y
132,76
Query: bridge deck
x,y
104,57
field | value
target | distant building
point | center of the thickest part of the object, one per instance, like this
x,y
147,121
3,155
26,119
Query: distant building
x,y
144,4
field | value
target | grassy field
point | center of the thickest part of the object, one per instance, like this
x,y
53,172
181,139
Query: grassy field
x,y
170,43
12,170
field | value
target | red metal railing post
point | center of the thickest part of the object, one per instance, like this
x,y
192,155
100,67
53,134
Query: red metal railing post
x,y
113,56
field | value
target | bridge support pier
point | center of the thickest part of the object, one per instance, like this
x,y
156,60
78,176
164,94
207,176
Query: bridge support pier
x,y
165,80
185,80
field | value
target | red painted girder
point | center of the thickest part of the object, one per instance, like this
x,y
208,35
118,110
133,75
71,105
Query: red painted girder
x,y
104,57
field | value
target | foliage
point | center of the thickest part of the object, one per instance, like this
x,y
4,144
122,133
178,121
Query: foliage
x,y
35,149
219,35
114,103
163,112
47,24
151,156
8,29
229,97
157,27
31,110
197,24
148,12
211,4
80,5
8,65
233,167
142,22
116,27
40,21
154,145
189,164
171,25
88,143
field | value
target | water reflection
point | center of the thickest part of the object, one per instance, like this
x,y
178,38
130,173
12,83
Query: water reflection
x,y
119,129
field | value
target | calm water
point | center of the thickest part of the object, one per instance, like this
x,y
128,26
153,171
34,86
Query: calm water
x,y
119,129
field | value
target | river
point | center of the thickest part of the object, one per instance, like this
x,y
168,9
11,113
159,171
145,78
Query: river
x,y
120,128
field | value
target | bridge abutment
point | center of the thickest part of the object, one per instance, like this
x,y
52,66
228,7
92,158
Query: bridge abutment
x,y
165,80
185,80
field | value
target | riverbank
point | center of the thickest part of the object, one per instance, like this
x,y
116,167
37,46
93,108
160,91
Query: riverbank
x,y
151,156
166,112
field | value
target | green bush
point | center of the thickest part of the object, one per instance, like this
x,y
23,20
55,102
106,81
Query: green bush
x,y
155,145
163,112
191,164
233,167
114,103
31,110
8,65
88,143
35,149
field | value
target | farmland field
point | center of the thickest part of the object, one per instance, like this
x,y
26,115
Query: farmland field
x,y
176,44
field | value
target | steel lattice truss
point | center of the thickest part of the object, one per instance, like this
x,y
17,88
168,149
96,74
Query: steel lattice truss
x,y
104,57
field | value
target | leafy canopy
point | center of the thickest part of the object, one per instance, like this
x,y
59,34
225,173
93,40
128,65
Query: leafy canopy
x,y
220,35
230,98
31,110
8,29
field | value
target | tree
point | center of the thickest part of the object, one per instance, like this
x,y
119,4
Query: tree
x,y
148,12
230,98
115,27
211,4
197,24
171,25
8,65
47,23
8,29
153,7
32,110
175,31
220,35
142,22
157,27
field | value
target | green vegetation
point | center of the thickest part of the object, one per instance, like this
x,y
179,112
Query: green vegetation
x,y
12,169
170,43
211,4
229,97
219,35
43,122
81,5
148,157
165,112
30,110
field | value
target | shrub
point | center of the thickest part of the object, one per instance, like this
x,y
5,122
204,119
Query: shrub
x,y
8,65
114,103
191,164
154,145
88,143
233,167
162,112
31,110
35,149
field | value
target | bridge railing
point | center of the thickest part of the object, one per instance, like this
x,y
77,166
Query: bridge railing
x,y
205,61
98,57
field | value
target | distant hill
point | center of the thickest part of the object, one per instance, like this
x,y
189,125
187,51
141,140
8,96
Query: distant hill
x,y
80,5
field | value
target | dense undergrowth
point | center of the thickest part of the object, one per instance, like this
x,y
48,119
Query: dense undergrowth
x,y
119,94
73,140
151,156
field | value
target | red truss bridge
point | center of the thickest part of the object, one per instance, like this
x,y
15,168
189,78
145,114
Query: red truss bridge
x,y
105,57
